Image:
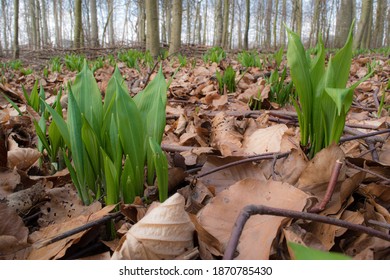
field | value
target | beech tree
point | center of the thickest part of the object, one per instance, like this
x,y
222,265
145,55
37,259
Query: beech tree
x,y
153,33
16,30
77,26
175,40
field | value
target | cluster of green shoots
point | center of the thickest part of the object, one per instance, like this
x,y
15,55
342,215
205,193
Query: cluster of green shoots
x,y
16,65
74,62
55,64
249,59
106,145
134,58
227,79
215,54
322,100
182,60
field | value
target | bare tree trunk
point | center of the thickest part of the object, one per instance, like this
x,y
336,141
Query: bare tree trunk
x,y
37,19
364,23
94,24
188,12
239,27
247,19
225,24
77,26
110,5
275,21
379,23
218,23
16,30
284,19
141,22
232,26
44,24
268,24
297,17
153,34
199,25
314,29
205,25
4,24
175,40
33,28
56,24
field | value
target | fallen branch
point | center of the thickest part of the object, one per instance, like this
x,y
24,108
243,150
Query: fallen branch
x,y
250,210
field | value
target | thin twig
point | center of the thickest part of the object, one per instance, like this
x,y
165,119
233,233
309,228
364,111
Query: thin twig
x,y
350,164
250,210
381,224
330,189
238,162
71,232
349,138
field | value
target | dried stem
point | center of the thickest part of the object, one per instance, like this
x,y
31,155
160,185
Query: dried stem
x,y
350,164
250,210
349,138
330,189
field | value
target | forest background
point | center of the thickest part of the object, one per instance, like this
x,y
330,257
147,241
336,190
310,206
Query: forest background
x,y
232,24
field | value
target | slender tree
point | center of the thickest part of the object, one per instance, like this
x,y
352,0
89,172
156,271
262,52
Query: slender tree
x,y
275,21
153,33
218,23
141,22
94,24
16,30
4,14
268,15
225,24
284,19
364,24
45,28
247,21
175,40
381,8
110,5
343,22
78,23
204,40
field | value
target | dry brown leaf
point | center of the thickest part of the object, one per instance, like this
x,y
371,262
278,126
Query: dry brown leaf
x,y
264,140
164,233
226,177
9,179
58,249
13,233
22,201
224,135
219,216
319,169
22,158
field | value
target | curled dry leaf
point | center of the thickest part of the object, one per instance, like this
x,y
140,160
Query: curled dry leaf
x,y
22,158
165,233
218,217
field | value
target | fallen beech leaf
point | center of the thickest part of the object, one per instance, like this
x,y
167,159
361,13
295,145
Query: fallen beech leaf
x,y
265,140
219,216
13,233
164,233
22,158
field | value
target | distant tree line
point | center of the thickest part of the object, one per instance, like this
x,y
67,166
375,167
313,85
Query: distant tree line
x,y
242,24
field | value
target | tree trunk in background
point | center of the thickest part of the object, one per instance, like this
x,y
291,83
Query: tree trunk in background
x,y
343,22
164,21
239,28
388,28
284,19
188,12
4,14
232,25
16,30
225,26
379,23
175,40
57,31
247,18
94,24
46,39
275,21
199,25
268,15
204,40
110,5
169,20
38,25
315,24
153,34
364,23
218,23
297,17
33,27
141,22
77,25
367,42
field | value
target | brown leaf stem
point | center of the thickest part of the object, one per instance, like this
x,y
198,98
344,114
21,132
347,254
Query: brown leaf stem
x,y
250,210
330,189
350,164
349,138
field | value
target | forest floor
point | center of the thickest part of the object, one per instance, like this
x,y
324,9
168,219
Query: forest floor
x,y
226,150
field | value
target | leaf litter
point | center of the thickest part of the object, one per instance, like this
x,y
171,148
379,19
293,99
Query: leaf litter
x,y
249,157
